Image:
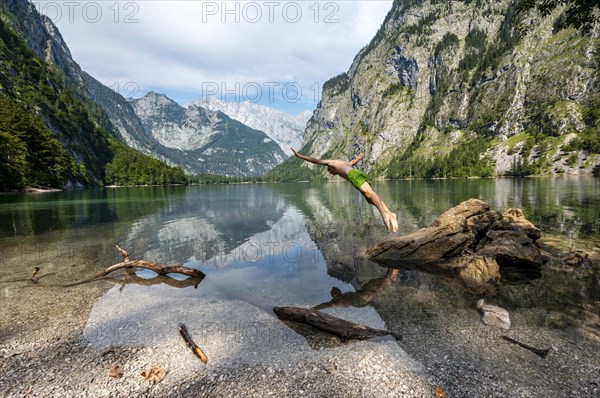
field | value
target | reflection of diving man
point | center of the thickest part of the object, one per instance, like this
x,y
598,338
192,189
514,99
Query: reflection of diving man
x,y
359,180
363,296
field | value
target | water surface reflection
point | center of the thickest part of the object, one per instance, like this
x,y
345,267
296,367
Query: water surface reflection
x,y
267,245
301,245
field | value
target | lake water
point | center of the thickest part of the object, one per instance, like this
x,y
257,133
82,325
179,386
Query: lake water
x,y
266,245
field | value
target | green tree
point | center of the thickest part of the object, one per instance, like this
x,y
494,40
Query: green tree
x,y
42,160
13,162
580,14
130,167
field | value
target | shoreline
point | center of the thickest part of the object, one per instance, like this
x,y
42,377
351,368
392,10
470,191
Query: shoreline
x,y
47,190
32,190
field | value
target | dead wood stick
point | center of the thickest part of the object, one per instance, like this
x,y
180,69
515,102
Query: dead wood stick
x,y
128,265
159,269
35,271
538,351
190,343
123,253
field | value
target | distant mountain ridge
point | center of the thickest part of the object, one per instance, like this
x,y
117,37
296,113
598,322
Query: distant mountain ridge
x,y
118,118
218,143
286,130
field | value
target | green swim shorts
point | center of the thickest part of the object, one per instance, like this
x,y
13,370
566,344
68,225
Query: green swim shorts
x,y
357,178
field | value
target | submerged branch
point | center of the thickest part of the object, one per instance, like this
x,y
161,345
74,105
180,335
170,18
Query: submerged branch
x,y
195,276
538,351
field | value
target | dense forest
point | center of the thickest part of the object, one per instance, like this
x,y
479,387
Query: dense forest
x,y
129,167
50,136
29,153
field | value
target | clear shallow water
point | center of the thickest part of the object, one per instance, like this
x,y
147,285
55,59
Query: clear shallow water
x,y
262,246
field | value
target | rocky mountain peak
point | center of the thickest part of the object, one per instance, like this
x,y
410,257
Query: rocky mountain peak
x,y
218,143
286,130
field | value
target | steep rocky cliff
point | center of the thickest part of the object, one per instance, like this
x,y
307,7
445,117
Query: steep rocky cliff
x,y
45,40
465,88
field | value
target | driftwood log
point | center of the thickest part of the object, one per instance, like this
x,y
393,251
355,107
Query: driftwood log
x,y
471,244
195,275
345,330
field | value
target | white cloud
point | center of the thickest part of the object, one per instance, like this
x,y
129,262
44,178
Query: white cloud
x,y
178,47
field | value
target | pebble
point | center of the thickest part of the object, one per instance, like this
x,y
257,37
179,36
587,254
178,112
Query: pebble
x,y
494,315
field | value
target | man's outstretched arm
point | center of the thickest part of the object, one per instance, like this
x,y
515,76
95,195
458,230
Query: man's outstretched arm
x,y
357,159
310,158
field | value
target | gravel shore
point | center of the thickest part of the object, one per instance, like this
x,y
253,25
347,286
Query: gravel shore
x,y
51,345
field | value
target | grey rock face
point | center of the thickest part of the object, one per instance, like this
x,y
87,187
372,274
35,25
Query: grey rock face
x,y
219,144
404,68
436,65
284,129
424,73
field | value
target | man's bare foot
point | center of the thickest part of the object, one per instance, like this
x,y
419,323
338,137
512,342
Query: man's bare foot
x,y
386,221
393,220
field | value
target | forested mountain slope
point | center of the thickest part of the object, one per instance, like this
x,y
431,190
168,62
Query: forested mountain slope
x,y
51,134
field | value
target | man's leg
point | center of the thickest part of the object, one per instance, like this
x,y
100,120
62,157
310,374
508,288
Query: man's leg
x,y
389,219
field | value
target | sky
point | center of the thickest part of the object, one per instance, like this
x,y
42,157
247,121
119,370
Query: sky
x,y
275,53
